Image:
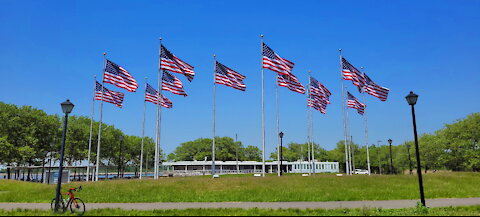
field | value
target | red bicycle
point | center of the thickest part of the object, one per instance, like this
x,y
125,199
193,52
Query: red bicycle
x,y
75,204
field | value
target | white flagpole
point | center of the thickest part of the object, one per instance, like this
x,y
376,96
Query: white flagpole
x,y
312,132
100,124
91,129
347,167
366,129
309,138
159,114
143,127
263,111
277,126
214,95
349,140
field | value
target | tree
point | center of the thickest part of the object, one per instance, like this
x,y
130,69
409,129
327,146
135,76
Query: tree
x,y
8,154
225,150
252,153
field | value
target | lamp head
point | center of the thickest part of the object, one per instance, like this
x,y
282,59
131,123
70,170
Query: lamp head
x,y
67,106
281,135
412,98
390,141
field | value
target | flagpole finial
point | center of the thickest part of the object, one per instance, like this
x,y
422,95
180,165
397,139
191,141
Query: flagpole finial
x,y
146,78
214,55
340,49
104,54
160,38
261,35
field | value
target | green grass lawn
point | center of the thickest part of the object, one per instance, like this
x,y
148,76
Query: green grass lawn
x,y
243,188
443,211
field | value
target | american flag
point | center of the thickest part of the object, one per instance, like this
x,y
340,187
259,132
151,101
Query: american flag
x,y
317,103
109,96
376,90
318,90
171,63
152,95
353,74
353,102
118,76
291,82
228,77
172,84
274,62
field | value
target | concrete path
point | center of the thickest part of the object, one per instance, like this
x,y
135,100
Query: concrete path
x,y
385,204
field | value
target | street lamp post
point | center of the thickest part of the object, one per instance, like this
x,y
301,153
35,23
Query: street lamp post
x,y
67,108
412,100
409,159
391,157
281,153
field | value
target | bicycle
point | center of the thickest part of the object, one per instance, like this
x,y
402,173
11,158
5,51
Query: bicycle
x,y
75,204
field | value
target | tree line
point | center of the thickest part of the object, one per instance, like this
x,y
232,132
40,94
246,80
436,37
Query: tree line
x,y
454,147
31,137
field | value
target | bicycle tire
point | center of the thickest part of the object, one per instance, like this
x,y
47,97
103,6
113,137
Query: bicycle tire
x,y
79,207
62,204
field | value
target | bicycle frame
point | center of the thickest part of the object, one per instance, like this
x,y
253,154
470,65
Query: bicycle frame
x,y
72,197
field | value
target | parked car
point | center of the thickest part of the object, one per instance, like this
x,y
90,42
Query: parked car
x,y
361,172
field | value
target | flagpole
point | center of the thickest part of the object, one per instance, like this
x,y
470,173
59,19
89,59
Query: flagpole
x,y
214,96
349,141
366,129
159,114
308,130
91,128
313,141
143,127
100,123
277,127
312,132
263,112
347,167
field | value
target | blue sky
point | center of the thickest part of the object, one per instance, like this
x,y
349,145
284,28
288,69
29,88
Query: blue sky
x,y
50,51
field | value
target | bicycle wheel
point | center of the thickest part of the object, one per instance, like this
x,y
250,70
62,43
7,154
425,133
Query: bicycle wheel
x,y
61,205
77,206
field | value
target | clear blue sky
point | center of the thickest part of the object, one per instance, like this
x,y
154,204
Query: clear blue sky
x,y
50,51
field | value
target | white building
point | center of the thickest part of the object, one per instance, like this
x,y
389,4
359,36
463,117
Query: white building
x,y
234,167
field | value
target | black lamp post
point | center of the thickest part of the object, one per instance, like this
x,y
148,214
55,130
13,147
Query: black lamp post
x,y
412,100
67,108
391,156
281,153
409,159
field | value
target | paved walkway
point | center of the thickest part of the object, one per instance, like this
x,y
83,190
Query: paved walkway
x,y
385,204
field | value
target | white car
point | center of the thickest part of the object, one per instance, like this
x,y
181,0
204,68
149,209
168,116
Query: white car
x,y
361,172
